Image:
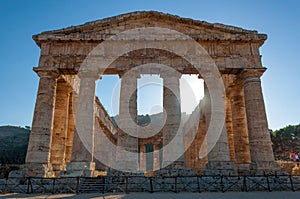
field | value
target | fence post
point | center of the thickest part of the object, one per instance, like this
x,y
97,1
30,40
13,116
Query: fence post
x,y
77,184
30,188
176,184
53,185
27,190
151,185
292,184
126,184
198,184
244,189
222,184
5,186
269,188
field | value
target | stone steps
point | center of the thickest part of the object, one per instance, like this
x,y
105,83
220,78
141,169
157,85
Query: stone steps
x,y
92,185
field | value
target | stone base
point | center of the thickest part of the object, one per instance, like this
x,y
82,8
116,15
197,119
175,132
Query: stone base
x,y
219,168
57,168
243,168
38,170
114,173
127,166
176,165
170,172
174,172
16,174
82,169
81,166
176,168
261,168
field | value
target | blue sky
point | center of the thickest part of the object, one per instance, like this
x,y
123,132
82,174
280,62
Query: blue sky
x,y
22,19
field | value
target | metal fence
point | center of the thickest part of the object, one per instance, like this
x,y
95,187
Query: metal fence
x,y
134,183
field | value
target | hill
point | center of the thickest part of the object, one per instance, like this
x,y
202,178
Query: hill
x,y
13,144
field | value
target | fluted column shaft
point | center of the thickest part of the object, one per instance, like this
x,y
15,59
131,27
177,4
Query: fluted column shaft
x,y
83,141
240,130
143,157
58,146
82,158
39,146
220,151
172,107
219,157
42,125
156,158
229,128
127,149
259,137
73,100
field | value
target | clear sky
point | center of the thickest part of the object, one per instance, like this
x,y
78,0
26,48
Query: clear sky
x,y
20,20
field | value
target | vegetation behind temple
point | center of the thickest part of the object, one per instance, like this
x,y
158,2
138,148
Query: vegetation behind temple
x,y
286,140
14,141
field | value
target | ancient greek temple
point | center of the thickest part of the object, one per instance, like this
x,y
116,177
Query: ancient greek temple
x,y
72,134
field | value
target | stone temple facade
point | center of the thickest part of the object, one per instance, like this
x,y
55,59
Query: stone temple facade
x,y
71,129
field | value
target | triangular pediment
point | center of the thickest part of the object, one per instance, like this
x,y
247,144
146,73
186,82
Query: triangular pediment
x,y
104,28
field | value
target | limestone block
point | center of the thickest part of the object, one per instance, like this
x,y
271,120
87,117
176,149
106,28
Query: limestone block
x,y
81,165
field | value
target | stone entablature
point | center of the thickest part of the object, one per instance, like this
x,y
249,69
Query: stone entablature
x,y
104,28
230,47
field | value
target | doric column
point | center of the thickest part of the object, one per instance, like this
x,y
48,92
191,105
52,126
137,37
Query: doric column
x,y
38,153
262,157
143,157
82,162
195,155
201,148
172,107
59,136
218,158
229,129
156,158
127,146
73,100
239,128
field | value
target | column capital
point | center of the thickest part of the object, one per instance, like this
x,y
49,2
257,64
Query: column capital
x,y
129,74
63,85
46,72
254,73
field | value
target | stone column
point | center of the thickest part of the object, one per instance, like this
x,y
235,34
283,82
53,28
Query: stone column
x,y
262,157
82,160
172,107
59,136
38,153
229,129
218,158
156,158
195,155
239,127
127,146
73,102
143,157
201,148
